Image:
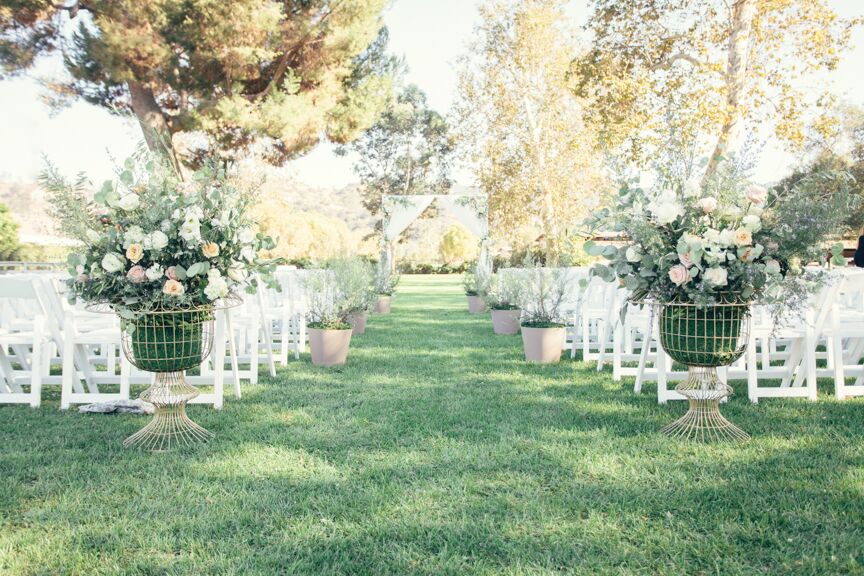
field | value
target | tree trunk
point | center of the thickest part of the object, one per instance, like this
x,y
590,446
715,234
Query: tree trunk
x,y
743,12
157,134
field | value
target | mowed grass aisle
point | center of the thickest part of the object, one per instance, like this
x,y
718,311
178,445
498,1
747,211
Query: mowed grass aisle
x,y
437,450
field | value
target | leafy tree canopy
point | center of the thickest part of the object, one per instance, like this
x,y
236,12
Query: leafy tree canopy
x,y
407,151
268,76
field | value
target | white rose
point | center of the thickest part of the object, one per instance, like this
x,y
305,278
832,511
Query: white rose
x,y
716,276
113,262
190,231
129,202
246,236
154,272
727,237
632,254
667,212
772,267
133,235
217,287
708,204
752,222
158,240
712,236
692,189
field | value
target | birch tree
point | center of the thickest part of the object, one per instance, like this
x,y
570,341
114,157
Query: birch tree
x,y
529,146
712,69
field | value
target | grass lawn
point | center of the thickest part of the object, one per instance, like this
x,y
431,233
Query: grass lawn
x,y
437,450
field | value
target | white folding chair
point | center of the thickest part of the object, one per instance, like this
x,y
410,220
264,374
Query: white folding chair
x,y
22,339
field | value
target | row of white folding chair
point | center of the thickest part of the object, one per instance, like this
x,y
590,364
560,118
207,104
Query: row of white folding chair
x,y
284,313
23,339
845,333
87,346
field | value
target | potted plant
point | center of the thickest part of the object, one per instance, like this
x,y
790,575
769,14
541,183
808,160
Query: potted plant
x,y
385,287
163,254
503,301
333,293
358,284
543,328
704,253
475,282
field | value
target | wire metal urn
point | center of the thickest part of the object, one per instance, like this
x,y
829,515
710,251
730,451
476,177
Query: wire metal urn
x,y
704,338
168,342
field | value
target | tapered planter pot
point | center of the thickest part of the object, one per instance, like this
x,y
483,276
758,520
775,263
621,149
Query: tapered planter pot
x,y
358,322
543,345
505,321
382,306
476,304
329,347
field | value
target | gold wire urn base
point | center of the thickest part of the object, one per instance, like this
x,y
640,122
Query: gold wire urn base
x,y
170,426
703,421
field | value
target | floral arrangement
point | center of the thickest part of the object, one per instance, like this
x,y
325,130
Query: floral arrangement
x,y
154,241
727,241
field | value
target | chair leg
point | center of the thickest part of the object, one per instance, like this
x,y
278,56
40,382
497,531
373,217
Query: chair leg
x,y
839,368
752,372
70,373
36,373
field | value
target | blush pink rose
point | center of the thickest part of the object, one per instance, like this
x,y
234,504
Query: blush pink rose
x,y
708,204
171,273
136,274
679,275
686,260
757,194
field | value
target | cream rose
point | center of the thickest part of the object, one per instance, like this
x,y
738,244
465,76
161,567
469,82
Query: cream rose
x,y
210,250
136,274
113,262
134,253
679,275
173,288
752,222
716,276
129,202
757,194
742,237
708,204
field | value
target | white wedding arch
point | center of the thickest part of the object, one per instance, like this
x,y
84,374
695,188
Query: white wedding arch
x,y
398,212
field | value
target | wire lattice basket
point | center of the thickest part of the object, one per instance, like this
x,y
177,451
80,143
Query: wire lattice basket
x,y
708,336
169,340
704,338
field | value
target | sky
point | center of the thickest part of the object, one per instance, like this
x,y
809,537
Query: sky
x,y
429,34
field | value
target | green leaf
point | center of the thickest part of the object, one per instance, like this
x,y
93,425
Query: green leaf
x,y
180,272
126,177
591,248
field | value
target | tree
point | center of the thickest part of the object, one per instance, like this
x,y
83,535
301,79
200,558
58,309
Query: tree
x,y
457,245
8,234
263,75
406,152
529,144
709,69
